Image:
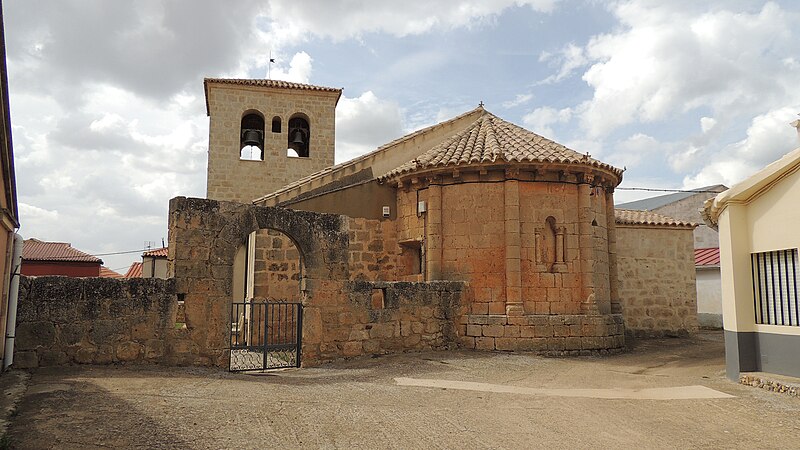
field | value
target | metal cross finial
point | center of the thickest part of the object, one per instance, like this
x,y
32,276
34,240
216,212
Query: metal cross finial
x,y
480,104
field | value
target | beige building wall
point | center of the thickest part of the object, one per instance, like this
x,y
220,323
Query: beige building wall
x,y
766,223
154,267
232,178
709,297
657,279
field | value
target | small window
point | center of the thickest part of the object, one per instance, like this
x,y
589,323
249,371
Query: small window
x,y
251,137
276,124
775,289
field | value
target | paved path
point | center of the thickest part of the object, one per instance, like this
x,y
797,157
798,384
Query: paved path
x,y
360,404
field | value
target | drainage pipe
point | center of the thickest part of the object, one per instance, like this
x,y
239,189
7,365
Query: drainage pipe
x,y
13,294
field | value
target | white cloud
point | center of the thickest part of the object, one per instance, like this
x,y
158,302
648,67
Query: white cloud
x,y
769,137
519,99
299,70
340,20
540,120
570,59
364,123
707,124
669,58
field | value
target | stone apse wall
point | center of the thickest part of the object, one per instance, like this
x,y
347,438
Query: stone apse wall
x,y
538,257
657,280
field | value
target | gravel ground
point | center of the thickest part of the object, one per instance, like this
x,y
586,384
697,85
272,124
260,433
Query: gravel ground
x,y
358,404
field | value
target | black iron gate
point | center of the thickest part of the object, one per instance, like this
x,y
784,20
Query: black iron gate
x,y
265,335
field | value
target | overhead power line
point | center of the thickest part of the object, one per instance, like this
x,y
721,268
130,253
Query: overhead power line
x,y
695,191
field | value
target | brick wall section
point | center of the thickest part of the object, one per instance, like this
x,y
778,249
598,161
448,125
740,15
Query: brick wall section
x,y
65,320
657,280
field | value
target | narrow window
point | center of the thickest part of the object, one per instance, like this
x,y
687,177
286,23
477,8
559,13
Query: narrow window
x,y
251,137
276,124
299,137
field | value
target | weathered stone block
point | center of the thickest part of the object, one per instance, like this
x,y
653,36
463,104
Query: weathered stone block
x,y
484,343
493,330
128,351
30,336
474,330
49,358
26,360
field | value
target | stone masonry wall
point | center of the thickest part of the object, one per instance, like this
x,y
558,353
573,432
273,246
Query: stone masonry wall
x,y
65,320
372,318
657,280
229,177
373,249
276,271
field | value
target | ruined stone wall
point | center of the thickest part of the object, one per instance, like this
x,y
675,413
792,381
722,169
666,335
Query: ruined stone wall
x,y
657,280
345,319
65,320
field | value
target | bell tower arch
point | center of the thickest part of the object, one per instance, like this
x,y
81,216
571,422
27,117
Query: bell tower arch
x,y
265,134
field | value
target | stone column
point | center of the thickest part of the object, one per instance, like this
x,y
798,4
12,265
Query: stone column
x,y
514,305
586,244
433,234
613,275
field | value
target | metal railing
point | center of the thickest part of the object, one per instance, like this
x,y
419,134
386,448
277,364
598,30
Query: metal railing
x,y
265,335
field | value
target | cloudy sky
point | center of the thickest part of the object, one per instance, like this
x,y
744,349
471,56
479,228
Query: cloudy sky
x,y
109,119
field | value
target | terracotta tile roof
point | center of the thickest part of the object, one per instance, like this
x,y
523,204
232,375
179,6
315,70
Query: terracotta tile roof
x,y
134,271
491,139
36,250
277,84
383,148
105,272
158,252
636,217
706,256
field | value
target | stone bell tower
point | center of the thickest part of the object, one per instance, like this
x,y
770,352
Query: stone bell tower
x,y
265,134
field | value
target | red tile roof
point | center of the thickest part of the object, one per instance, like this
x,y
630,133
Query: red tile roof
x,y
277,84
635,217
158,252
134,271
105,272
706,257
491,139
36,250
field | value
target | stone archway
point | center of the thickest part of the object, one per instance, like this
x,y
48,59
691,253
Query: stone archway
x,y
204,236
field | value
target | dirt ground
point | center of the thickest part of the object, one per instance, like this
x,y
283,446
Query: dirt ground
x,y
514,401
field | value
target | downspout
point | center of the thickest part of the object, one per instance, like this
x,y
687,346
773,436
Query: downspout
x,y
13,293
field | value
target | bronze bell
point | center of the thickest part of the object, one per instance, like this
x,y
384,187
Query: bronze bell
x,y
298,138
251,137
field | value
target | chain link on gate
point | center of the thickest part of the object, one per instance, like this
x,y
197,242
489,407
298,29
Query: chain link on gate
x,y
265,335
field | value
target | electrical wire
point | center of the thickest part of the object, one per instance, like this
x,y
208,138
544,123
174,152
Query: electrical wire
x,y
695,191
